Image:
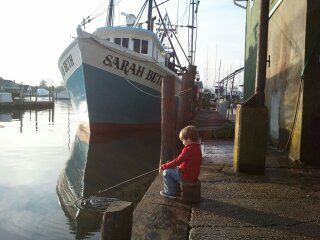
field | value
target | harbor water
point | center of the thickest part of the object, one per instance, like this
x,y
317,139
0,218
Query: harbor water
x,y
48,161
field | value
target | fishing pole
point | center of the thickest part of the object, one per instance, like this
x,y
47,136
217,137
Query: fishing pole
x,y
79,202
127,181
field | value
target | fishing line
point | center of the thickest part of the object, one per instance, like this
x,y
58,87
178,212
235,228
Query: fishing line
x,y
97,203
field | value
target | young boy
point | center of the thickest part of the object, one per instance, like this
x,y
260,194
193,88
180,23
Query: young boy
x,y
186,167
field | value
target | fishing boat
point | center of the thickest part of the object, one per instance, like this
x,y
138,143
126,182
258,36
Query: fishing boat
x,y
114,75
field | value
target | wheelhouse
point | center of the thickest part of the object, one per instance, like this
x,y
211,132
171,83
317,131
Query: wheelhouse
x,y
135,39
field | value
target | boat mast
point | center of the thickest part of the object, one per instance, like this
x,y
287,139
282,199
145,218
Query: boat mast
x,y
192,33
150,16
110,14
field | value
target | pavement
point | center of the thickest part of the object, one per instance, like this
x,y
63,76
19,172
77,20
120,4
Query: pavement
x,y
282,204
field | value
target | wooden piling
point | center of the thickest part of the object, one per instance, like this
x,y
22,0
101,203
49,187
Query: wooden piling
x,y
186,99
21,93
117,221
52,96
36,93
168,119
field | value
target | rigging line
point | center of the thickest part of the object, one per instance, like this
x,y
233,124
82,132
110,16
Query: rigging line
x,y
140,13
174,34
184,30
184,14
166,31
117,2
91,19
139,89
161,3
97,8
181,36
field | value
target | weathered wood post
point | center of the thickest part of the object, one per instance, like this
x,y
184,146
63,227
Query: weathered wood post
x,y
117,221
49,94
36,93
186,99
168,121
52,96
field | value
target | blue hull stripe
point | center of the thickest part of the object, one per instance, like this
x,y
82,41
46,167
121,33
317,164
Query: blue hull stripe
x,y
112,99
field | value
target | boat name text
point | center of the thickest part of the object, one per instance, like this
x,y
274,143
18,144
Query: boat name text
x,y
66,65
132,68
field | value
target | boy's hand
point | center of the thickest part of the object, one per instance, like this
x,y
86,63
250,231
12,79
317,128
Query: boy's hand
x,y
162,167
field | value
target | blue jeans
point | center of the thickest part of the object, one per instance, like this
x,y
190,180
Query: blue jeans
x,y
171,181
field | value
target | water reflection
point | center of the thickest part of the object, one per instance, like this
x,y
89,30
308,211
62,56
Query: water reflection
x,y
40,147
97,162
19,115
5,117
34,149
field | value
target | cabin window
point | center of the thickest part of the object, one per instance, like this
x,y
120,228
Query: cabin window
x,y
144,47
117,41
108,39
125,42
136,45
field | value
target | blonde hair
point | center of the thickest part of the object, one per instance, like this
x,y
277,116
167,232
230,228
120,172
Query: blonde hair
x,y
189,132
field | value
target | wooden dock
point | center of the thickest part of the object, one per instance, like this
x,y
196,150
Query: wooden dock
x,y
27,105
212,126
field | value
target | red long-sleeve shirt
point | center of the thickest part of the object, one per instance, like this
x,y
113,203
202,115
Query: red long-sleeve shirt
x,y
188,162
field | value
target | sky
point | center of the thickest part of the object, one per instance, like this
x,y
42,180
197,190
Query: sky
x,y
35,32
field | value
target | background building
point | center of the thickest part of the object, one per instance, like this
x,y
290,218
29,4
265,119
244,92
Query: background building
x,y
293,74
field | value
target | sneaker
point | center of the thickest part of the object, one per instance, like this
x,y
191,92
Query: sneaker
x,y
162,193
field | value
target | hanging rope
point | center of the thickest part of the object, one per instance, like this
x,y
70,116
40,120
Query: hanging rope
x,y
141,90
